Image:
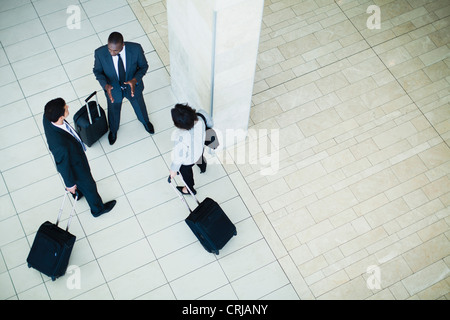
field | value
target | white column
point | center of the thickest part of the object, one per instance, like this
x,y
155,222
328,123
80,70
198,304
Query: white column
x,y
213,48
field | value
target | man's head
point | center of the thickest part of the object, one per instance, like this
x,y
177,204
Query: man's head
x,y
55,109
115,43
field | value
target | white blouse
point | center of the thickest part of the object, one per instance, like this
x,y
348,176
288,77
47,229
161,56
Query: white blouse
x,y
188,144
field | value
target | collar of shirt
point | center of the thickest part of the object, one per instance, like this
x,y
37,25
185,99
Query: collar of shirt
x,y
63,127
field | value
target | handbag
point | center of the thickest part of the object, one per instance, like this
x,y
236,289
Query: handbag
x,y
211,140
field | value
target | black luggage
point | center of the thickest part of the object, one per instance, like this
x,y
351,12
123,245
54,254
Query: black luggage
x,y
52,246
211,139
209,223
90,121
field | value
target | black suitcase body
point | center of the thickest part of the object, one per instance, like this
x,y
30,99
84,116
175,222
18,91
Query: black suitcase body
x,y
51,250
211,225
52,247
208,222
90,121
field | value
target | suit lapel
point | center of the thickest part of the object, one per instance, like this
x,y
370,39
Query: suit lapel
x,y
110,64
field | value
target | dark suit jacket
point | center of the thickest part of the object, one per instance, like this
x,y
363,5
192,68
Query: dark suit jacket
x,y
70,158
136,67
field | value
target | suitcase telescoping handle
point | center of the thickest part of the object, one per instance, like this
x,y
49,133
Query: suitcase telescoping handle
x,y
179,194
87,105
62,208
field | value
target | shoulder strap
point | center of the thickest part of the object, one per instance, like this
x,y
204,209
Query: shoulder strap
x,y
204,120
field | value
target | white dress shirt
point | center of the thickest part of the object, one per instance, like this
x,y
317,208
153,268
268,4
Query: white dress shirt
x,y
116,61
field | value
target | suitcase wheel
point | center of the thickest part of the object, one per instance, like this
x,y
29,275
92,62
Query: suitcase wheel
x,y
29,265
216,252
53,278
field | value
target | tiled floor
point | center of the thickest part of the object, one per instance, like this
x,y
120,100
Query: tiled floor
x,y
363,181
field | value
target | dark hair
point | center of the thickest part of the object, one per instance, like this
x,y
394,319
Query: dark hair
x,y
54,109
115,38
183,116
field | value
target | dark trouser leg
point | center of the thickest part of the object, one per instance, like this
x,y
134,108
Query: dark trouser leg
x,y
201,163
89,189
138,104
188,176
114,115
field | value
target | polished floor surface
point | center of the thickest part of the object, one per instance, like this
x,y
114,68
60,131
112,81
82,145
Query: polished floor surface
x,y
358,118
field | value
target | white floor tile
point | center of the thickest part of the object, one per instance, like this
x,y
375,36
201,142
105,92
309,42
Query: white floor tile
x,y
260,282
11,230
20,32
36,64
246,260
163,216
162,293
107,240
37,193
11,93
138,282
28,48
200,282
29,173
150,196
171,239
14,112
112,19
18,132
64,35
185,260
133,154
125,260
44,81
142,174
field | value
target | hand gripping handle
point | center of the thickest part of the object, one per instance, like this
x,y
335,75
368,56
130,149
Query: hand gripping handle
x,y
169,180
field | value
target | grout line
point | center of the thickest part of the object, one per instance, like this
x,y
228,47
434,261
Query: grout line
x,y
390,72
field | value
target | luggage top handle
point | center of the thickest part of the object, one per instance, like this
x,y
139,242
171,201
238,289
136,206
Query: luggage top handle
x,y
87,105
179,194
62,208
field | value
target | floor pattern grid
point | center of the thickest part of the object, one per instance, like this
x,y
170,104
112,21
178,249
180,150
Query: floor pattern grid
x,y
357,209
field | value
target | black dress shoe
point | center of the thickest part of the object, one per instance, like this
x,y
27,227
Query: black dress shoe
x,y
112,137
149,128
107,208
181,190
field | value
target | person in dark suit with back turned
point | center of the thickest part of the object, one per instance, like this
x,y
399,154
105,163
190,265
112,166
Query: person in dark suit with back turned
x,y
119,68
69,154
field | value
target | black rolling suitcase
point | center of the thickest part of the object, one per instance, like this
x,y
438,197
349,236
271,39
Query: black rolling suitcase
x,y
90,121
52,246
209,223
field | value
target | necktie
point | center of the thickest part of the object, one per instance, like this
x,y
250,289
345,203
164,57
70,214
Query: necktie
x,y
75,136
121,71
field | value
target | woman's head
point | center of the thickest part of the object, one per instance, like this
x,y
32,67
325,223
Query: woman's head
x,y
183,116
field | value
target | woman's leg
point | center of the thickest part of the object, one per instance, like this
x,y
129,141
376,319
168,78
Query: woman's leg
x,y
188,176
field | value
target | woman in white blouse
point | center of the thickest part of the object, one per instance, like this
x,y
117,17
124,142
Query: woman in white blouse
x,y
189,141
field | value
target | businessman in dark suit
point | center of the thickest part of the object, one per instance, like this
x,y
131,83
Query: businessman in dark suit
x,y
69,154
119,68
